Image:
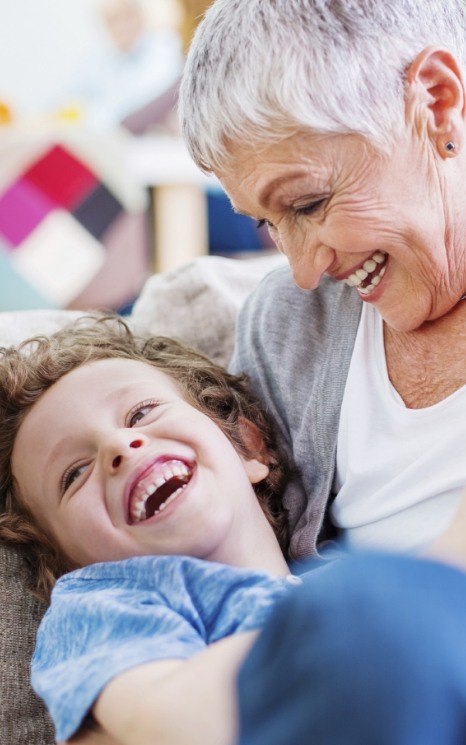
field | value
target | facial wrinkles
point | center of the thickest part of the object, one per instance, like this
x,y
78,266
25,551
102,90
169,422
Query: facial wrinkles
x,y
358,212
452,253
297,234
249,184
318,243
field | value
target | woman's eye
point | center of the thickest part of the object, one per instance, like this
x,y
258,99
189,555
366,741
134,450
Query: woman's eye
x,y
71,475
309,209
139,412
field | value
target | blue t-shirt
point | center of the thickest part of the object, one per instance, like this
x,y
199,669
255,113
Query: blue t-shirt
x,y
107,618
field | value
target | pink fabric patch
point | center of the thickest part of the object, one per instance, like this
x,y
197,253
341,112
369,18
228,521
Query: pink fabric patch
x,y
62,178
22,208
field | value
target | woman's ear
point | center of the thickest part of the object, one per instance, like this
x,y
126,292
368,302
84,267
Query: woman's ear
x,y
256,462
435,95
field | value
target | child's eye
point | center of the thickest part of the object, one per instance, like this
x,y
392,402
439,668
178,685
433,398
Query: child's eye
x,y
71,474
139,412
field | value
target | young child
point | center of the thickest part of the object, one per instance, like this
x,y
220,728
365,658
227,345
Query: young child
x,y
154,475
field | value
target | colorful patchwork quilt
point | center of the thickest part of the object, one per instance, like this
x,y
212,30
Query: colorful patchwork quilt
x,y
71,234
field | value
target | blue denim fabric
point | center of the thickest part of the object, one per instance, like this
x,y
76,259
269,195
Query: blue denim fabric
x,y
370,650
107,618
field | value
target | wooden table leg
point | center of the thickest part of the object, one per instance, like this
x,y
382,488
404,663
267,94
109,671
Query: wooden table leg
x,y
180,225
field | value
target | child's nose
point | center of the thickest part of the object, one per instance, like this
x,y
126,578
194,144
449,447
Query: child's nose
x,y
136,443
120,447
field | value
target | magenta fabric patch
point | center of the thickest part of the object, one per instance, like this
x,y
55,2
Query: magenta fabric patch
x,y
22,208
62,178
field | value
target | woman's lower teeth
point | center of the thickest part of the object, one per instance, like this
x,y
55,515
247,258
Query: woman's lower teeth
x,y
373,283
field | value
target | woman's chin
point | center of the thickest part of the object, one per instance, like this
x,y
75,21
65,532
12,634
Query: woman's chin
x,y
404,322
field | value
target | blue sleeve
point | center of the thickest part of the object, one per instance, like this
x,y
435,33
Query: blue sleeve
x,y
91,633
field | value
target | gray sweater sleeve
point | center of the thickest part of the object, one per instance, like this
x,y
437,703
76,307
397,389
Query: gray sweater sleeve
x,y
295,346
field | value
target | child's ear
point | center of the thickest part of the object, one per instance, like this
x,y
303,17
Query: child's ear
x,y
256,463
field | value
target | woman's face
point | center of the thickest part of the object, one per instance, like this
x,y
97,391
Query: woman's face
x,y
383,224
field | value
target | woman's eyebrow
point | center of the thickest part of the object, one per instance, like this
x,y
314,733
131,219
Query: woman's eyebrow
x,y
270,187
267,190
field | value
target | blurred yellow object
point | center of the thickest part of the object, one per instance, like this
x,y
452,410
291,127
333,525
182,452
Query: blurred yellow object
x,y
72,114
193,11
6,114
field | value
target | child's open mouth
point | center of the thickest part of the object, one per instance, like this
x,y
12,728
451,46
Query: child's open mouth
x,y
158,488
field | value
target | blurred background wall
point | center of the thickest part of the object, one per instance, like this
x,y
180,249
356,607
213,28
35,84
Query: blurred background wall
x,y
96,188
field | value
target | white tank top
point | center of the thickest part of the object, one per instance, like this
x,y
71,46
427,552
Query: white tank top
x,y
400,472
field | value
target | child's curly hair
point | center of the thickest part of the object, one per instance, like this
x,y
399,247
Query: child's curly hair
x,y
28,370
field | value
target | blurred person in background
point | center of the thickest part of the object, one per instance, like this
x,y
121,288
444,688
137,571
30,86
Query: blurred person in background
x,y
141,64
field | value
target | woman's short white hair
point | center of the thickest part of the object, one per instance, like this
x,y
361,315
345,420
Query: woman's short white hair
x,y
260,69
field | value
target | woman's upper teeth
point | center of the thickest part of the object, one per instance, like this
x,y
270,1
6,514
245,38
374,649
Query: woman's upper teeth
x,y
376,263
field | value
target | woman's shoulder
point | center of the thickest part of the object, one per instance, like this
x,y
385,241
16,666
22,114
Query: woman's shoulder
x,y
278,304
278,291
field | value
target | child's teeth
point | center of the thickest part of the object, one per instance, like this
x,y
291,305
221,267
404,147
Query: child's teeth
x,y
378,257
137,508
369,266
137,513
361,274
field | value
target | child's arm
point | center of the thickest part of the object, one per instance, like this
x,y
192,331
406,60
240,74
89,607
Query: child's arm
x,y
181,702
97,737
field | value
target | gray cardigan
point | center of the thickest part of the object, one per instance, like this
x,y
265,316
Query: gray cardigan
x,y
295,346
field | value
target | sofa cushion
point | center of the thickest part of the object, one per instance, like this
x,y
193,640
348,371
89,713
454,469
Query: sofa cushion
x,y
199,302
23,718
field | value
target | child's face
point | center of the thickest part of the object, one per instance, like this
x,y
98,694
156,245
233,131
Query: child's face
x,y
93,448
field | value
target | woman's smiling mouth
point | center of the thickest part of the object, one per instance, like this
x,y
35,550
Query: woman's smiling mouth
x,y
368,276
158,487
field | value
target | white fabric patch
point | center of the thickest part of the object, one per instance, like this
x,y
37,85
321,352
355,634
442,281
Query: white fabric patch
x,y
59,258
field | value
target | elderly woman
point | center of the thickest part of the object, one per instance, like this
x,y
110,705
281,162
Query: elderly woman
x,y
342,126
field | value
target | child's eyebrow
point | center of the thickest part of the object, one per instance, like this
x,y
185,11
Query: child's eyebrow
x,y
72,441
60,449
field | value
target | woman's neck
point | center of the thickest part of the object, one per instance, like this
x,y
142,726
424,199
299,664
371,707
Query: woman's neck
x,y
427,365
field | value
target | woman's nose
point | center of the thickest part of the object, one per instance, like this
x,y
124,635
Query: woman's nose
x,y
309,271
309,263
120,447
309,259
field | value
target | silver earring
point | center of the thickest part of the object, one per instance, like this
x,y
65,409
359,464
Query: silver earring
x,y
450,146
